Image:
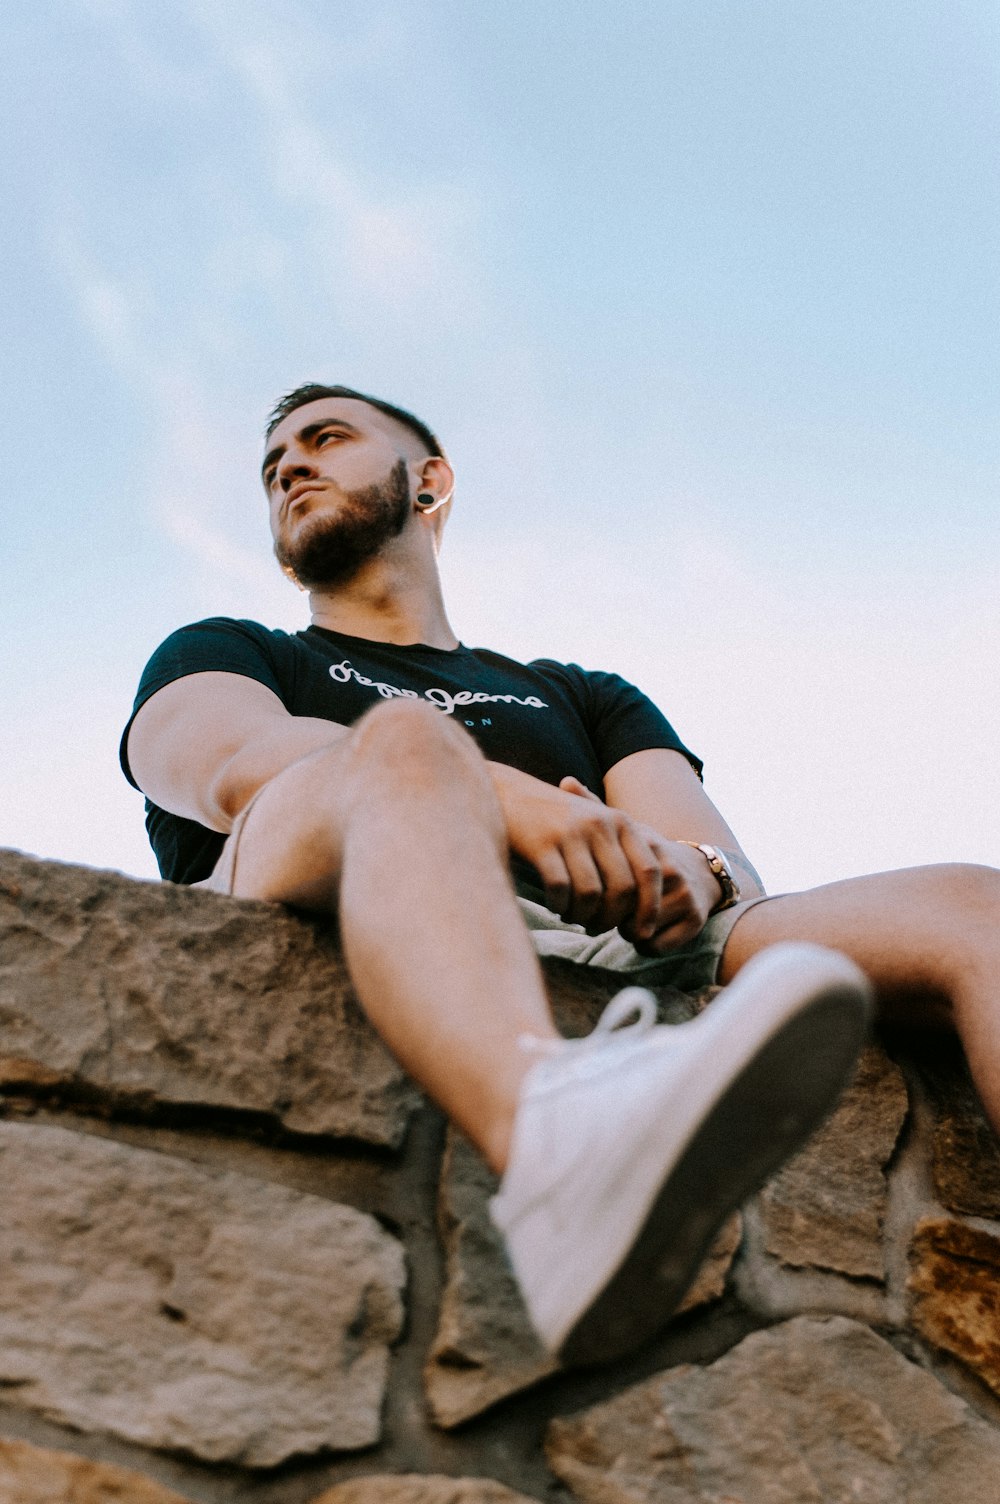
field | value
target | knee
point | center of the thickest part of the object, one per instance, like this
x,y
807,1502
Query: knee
x,y
410,741
970,892
959,915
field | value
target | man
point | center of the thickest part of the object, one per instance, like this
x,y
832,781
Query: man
x,y
338,770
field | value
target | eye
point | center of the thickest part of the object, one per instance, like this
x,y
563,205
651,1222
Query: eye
x,y
328,433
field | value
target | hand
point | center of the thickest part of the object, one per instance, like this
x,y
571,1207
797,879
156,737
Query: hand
x,y
602,869
596,865
687,889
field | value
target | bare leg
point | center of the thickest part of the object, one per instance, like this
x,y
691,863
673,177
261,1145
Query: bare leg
x,y
398,828
928,937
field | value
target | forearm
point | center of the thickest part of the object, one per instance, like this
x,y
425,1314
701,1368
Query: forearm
x,y
660,789
257,761
203,745
511,785
516,794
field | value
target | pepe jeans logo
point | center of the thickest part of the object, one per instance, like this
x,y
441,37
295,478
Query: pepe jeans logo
x,y
344,672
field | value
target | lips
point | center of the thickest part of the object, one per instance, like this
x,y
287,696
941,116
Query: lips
x,y
297,492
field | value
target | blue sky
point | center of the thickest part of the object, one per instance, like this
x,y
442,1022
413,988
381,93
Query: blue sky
x,y
703,299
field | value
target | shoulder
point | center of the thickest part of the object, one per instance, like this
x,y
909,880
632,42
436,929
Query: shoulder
x,y
585,683
226,628
219,644
219,641
546,668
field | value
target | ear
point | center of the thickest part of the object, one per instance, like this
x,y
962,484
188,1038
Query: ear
x,y
434,476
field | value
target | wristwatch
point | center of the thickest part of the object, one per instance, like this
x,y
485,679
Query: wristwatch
x,y
722,871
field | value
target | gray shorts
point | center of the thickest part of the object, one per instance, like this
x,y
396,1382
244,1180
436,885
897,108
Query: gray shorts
x,y
689,969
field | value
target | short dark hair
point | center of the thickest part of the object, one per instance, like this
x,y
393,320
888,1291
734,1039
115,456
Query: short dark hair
x,y
314,391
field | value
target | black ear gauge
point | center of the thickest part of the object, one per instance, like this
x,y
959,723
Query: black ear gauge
x,y
425,500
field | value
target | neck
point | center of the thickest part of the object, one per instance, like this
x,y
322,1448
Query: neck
x,y
386,604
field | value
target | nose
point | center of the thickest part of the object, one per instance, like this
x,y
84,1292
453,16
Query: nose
x,y
293,465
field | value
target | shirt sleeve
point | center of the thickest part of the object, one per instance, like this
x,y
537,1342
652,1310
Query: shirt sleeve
x,y
620,718
218,645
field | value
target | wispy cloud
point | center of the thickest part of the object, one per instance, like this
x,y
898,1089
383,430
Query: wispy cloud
x,y
417,249
231,231
294,257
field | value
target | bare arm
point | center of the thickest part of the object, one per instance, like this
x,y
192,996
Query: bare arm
x,y
203,745
623,862
659,794
662,790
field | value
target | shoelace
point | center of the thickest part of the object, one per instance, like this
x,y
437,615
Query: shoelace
x,y
630,1000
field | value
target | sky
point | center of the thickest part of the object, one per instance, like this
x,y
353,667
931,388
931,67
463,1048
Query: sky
x,y
703,299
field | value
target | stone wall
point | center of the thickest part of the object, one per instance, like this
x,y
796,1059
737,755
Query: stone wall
x,y
242,1259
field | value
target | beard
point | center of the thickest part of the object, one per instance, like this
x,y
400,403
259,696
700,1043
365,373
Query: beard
x,y
329,550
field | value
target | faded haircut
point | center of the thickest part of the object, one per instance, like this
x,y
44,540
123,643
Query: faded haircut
x,y
313,391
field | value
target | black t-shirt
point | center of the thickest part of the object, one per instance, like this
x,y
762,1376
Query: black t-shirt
x,y
548,719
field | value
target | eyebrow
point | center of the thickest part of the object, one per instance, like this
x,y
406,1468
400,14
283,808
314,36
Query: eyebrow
x,y
304,435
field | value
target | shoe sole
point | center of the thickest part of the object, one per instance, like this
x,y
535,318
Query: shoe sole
x,y
778,1099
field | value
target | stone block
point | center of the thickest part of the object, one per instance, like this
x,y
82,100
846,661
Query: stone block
x,y
147,994
966,1152
954,1290
825,1207
485,1348
809,1412
152,997
413,1488
32,1475
188,1309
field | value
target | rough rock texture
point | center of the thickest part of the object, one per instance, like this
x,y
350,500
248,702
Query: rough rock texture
x,y
189,1309
485,1348
955,1293
413,1488
31,1475
578,995
145,993
180,1272
711,1278
826,1207
810,1412
966,1151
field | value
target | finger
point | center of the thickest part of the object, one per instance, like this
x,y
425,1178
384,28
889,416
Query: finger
x,y
571,785
647,877
680,913
673,937
678,900
555,879
618,877
586,883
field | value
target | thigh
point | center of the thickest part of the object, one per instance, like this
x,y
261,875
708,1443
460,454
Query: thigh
x,y
224,871
286,844
916,932
402,775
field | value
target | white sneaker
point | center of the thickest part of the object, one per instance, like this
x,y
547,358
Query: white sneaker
x,y
631,1147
